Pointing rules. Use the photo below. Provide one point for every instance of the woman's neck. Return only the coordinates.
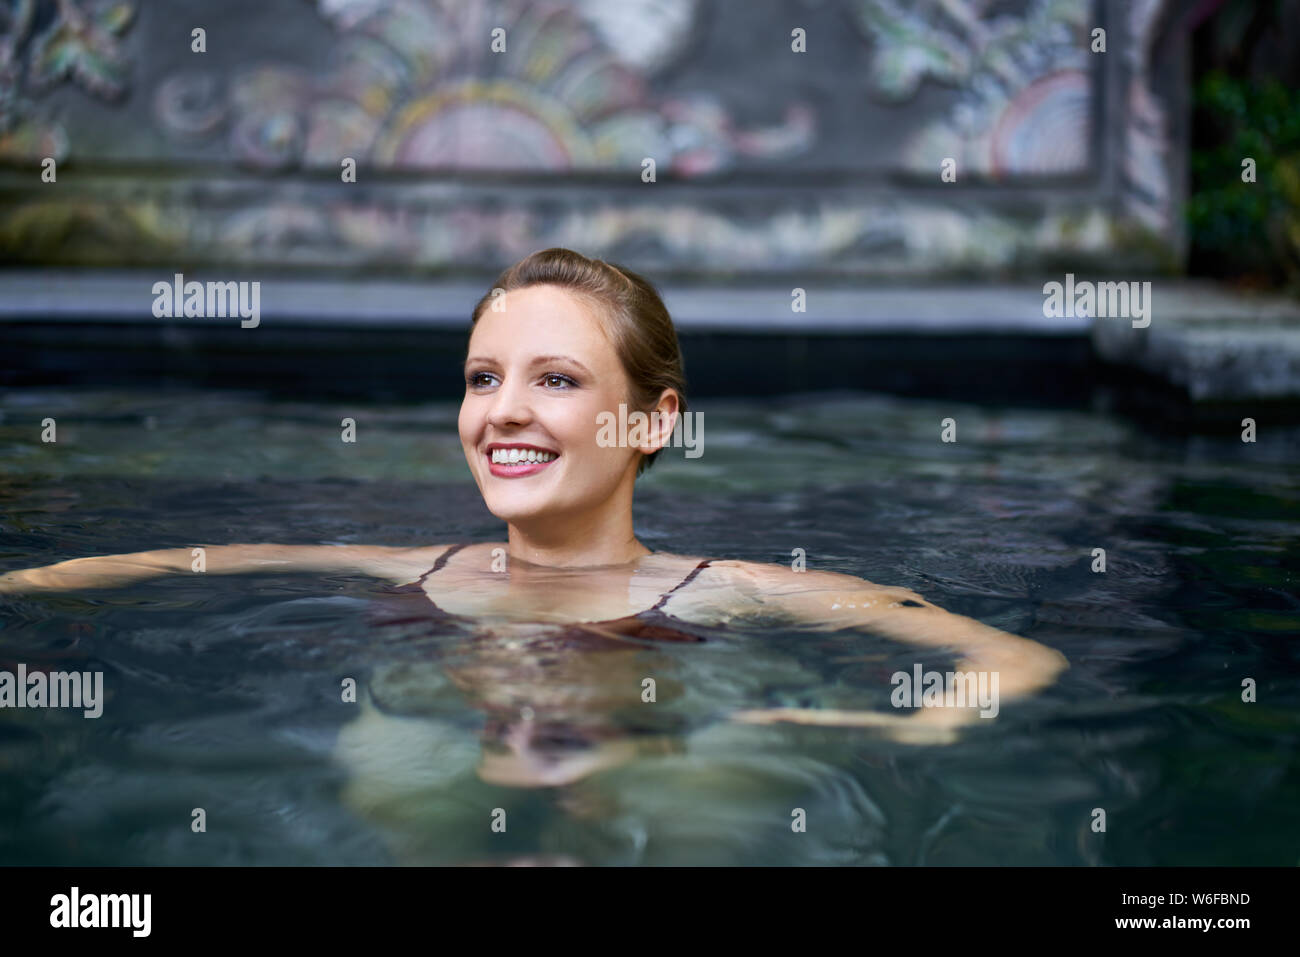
(576, 554)
(576, 544)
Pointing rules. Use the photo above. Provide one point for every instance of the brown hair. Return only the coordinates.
(632, 313)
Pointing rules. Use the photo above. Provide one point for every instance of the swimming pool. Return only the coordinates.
(223, 693)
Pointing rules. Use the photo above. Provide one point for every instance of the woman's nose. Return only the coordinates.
(510, 404)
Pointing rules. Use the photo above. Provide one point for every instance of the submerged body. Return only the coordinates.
(556, 659)
(654, 598)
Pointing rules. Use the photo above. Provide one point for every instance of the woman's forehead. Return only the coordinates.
(541, 320)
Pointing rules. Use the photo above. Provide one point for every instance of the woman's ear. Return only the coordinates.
(663, 420)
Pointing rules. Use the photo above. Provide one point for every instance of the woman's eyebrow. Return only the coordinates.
(537, 361)
(542, 360)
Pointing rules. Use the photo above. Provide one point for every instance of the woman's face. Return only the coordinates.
(537, 375)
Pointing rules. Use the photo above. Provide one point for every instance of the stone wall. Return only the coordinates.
(767, 161)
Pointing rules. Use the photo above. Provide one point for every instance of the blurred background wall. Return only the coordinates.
(823, 162)
(919, 168)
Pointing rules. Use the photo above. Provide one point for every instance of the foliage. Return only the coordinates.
(1254, 227)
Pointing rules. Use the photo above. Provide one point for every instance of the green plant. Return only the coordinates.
(1253, 226)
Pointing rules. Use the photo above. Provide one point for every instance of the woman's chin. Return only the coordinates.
(515, 510)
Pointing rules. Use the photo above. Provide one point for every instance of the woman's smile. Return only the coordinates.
(517, 459)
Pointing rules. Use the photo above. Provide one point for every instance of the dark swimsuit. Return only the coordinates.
(653, 624)
(415, 617)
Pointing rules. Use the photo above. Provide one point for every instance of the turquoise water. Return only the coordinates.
(224, 693)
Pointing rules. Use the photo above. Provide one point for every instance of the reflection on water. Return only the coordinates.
(225, 693)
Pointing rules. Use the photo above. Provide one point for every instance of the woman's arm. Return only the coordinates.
(826, 601)
(109, 571)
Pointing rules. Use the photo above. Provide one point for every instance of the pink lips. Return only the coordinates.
(517, 469)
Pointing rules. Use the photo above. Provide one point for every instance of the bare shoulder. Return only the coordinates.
(807, 595)
(774, 579)
(394, 563)
(398, 564)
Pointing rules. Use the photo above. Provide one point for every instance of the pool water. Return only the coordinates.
(224, 692)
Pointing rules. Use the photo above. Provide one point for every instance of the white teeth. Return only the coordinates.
(516, 456)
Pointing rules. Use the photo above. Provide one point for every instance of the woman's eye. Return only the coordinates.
(552, 380)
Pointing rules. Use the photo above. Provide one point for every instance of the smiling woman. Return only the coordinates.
(558, 343)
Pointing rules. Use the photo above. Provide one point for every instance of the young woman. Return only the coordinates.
(559, 340)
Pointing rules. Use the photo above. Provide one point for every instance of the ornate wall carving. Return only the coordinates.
(767, 160)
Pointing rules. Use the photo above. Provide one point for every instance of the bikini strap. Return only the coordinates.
(442, 560)
(683, 583)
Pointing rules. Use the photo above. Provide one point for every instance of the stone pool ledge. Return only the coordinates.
(1215, 344)
(63, 295)
(1204, 342)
